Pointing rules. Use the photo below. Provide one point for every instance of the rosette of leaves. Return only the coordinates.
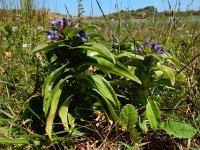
(75, 87)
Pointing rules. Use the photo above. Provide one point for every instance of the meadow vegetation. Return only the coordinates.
(117, 81)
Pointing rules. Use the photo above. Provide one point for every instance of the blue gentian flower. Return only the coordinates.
(146, 44)
(82, 35)
(114, 40)
(161, 51)
(127, 39)
(58, 23)
(53, 35)
(61, 24)
(155, 47)
(67, 22)
(139, 50)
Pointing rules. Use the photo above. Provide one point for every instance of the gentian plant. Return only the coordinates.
(149, 47)
(147, 61)
(151, 62)
(76, 86)
(85, 76)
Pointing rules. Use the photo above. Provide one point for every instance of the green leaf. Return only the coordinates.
(71, 121)
(168, 72)
(108, 66)
(178, 129)
(105, 90)
(83, 28)
(111, 113)
(55, 96)
(128, 118)
(128, 55)
(153, 114)
(134, 135)
(171, 59)
(48, 46)
(6, 141)
(143, 124)
(99, 48)
(96, 37)
(47, 87)
(63, 113)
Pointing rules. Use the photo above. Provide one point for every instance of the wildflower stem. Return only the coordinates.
(182, 58)
(67, 10)
(188, 63)
(104, 15)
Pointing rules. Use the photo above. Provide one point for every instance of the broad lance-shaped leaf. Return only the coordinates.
(128, 118)
(63, 113)
(47, 87)
(178, 129)
(83, 28)
(55, 95)
(48, 46)
(106, 89)
(96, 36)
(108, 97)
(129, 55)
(168, 72)
(107, 66)
(99, 48)
(103, 87)
(104, 102)
(108, 107)
(153, 114)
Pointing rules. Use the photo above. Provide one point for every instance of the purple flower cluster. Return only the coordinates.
(155, 47)
(58, 29)
(61, 24)
(139, 50)
(146, 44)
(54, 36)
(82, 35)
(127, 39)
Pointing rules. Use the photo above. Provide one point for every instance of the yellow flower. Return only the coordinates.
(7, 54)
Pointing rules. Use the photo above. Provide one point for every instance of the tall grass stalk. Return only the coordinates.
(104, 15)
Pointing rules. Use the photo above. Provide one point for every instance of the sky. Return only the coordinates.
(91, 8)
(109, 6)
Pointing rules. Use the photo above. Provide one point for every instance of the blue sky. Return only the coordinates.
(110, 5)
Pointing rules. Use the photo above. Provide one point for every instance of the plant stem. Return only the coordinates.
(188, 63)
